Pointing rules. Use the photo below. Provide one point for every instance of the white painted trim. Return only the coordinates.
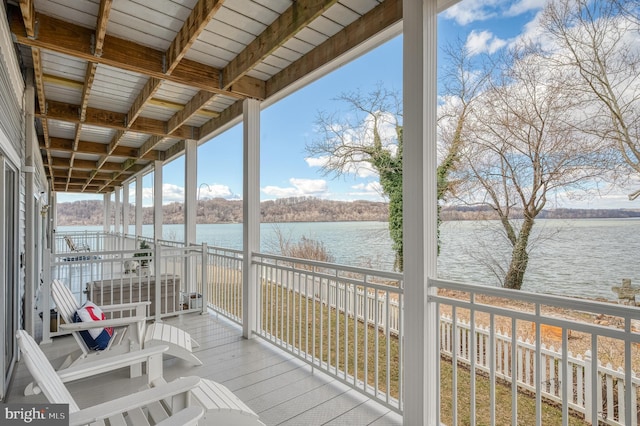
(251, 213)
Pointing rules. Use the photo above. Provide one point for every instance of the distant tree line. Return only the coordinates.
(219, 210)
(304, 209)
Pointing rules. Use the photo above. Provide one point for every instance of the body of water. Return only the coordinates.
(583, 257)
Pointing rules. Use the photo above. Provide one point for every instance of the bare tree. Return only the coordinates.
(367, 141)
(597, 44)
(520, 147)
(464, 77)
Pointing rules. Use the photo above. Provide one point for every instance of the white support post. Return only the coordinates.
(421, 356)
(107, 212)
(251, 213)
(31, 214)
(190, 209)
(125, 210)
(157, 200)
(117, 210)
(139, 205)
(190, 190)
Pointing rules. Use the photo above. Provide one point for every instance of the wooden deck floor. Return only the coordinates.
(277, 386)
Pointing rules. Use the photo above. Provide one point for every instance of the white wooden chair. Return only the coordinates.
(178, 341)
(135, 324)
(168, 405)
(221, 406)
(76, 247)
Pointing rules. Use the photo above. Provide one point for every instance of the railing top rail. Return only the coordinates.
(592, 306)
(213, 249)
(364, 271)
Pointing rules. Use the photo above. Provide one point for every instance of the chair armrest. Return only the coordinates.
(135, 400)
(110, 363)
(186, 417)
(116, 322)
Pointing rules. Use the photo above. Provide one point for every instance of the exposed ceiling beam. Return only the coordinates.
(376, 20)
(114, 120)
(96, 148)
(29, 17)
(285, 27)
(200, 16)
(78, 85)
(73, 40)
(101, 25)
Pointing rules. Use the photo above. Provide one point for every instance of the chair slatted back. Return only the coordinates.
(43, 373)
(67, 306)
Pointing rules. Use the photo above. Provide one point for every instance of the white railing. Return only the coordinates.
(224, 282)
(170, 277)
(579, 385)
(316, 311)
(610, 379)
(346, 321)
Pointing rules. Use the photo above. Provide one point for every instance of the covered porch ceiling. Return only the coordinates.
(120, 84)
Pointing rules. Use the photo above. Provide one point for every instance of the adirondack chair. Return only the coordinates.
(167, 405)
(76, 247)
(178, 341)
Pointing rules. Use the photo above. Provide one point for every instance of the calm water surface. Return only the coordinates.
(583, 257)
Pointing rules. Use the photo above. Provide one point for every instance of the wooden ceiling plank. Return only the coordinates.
(175, 149)
(146, 94)
(149, 145)
(89, 77)
(101, 25)
(39, 85)
(197, 21)
(287, 25)
(114, 120)
(177, 106)
(29, 17)
(96, 148)
(190, 109)
(229, 114)
(163, 103)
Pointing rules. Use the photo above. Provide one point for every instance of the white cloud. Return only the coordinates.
(523, 6)
(483, 42)
(299, 188)
(370, 188)
(316, 161)
(172, 193)
(468, 11)
(215, 190)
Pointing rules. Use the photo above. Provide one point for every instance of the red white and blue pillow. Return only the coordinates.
(96, 338)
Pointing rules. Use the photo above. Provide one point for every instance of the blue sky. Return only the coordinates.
(287, 126)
